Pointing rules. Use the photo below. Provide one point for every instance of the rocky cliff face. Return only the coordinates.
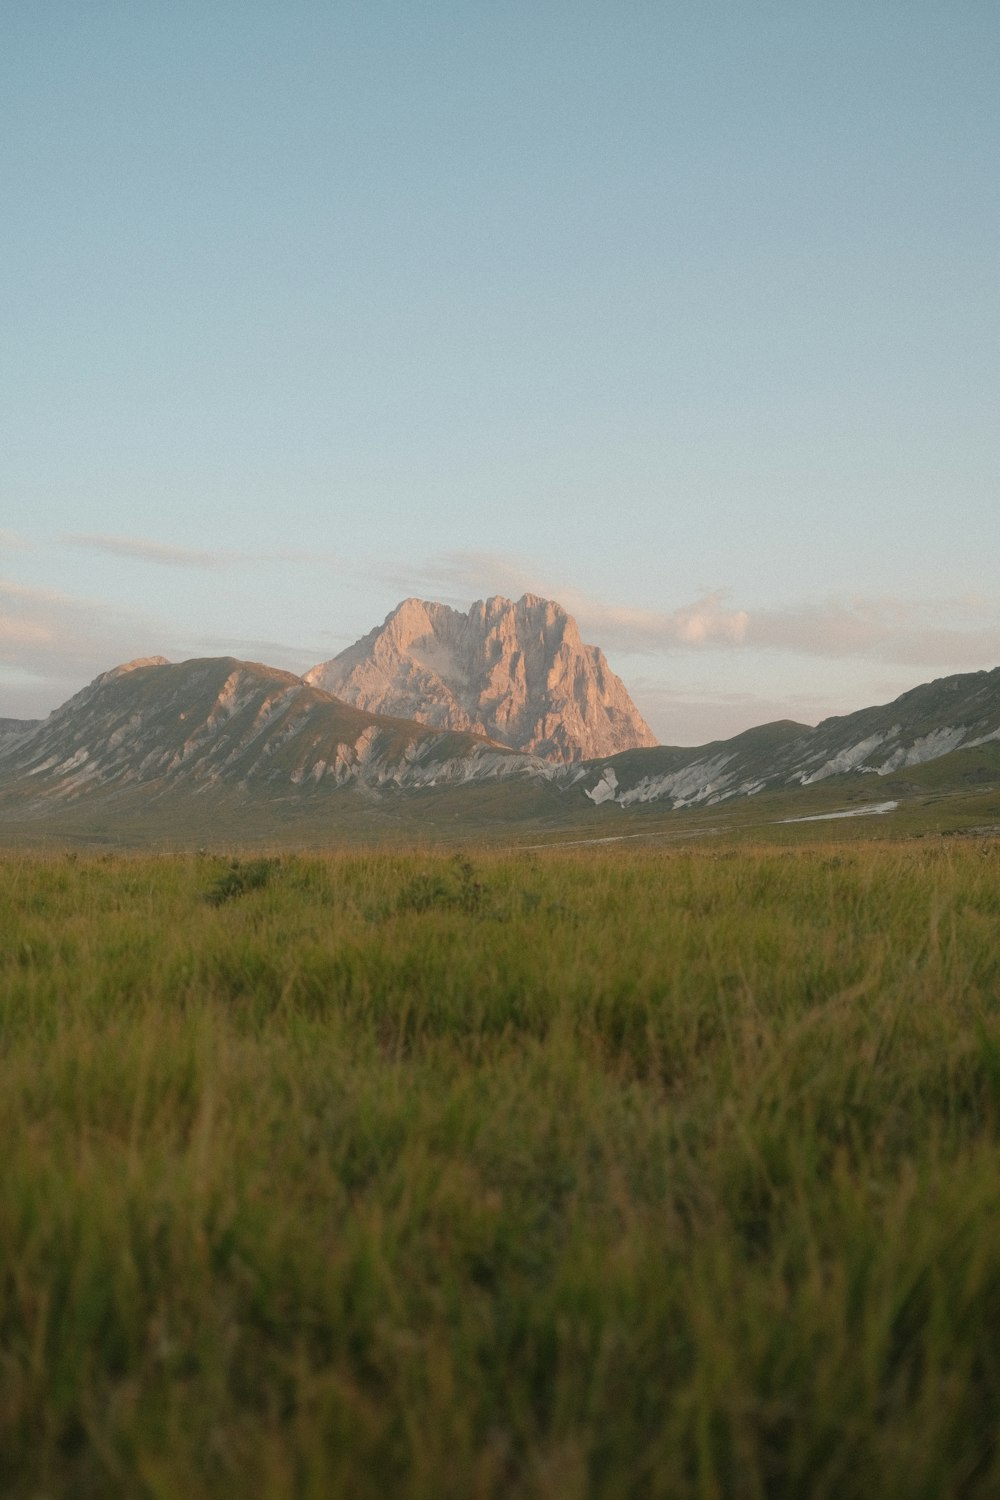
(517, 673)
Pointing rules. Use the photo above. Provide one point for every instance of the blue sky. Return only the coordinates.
(683, 314)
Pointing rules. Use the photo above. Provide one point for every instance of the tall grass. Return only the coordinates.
(615, 1175)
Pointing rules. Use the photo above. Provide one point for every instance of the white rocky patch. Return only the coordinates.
(133, 666)
(983, 739)
(71, 764)
(851, 759)
(693, 783)
(927, 747)
(230, 700)
(364, 744)
(44, 765)
(605, 789)
(71, 784)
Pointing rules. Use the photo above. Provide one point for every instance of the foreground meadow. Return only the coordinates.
(624, 1174)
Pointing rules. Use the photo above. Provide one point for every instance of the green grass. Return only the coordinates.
(623, 1174)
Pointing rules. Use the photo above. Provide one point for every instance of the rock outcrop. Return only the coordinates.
(517, 673)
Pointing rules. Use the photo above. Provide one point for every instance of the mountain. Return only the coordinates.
(219, 748)
(517, 673)
(150, 728)
(924, 724)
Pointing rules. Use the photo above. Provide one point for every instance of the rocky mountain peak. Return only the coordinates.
(514, 671)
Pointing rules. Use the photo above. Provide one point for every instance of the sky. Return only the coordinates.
(686, 315)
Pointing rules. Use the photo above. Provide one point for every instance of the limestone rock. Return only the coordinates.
(517, 673)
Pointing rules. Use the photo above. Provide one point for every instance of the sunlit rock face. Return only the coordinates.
(516, 672)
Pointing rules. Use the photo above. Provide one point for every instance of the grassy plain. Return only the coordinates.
(622, 1173)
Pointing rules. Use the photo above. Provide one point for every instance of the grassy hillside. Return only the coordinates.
(662, 1173)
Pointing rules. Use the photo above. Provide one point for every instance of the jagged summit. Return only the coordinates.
(514, 671)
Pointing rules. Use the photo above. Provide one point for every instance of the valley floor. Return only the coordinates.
(599, 1172)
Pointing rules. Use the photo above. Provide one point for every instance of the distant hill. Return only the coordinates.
(516, 672)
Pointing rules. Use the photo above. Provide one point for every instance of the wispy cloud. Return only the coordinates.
(57, 629)
(9, 542)
(956, 633)
(932, 633)
(462, 576)
(153, 552)
(164, 554)
(707, 621)
(52, 644)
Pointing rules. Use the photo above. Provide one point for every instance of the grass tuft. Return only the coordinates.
(241, 876)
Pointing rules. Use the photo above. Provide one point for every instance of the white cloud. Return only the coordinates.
(154, 552)
(51, 644)
(959, 634)
(705, 622)
(142, 549)
(15, 634)
(464, 576)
